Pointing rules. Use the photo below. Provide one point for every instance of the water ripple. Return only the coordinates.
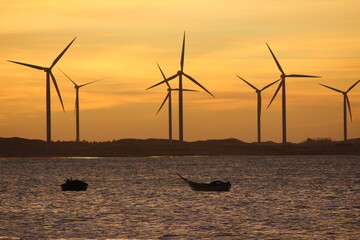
(286, 197)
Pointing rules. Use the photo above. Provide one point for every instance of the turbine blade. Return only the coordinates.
(162, 73)
(337, 90)
(168, 79)
(182, 54)
(352, 86)
(348, 104)
(306, 76)
(166, 98)
(197, 83)
(269, 85)
(185, 90)
(276, 92)
(90, 82)
(248, 83)
(276, 61)
(61, 54)
(68, 77)
(57, 90)
(28, 65)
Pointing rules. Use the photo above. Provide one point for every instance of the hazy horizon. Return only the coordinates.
(122, 42)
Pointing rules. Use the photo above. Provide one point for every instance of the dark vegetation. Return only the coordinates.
(20, 147)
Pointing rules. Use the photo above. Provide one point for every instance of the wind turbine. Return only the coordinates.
(258, 92)
(180, 74)
(49, 75)
(168, 97)
(283, 76)
(77, 87)
(346, 104)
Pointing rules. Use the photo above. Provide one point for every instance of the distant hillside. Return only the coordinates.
(20, 147)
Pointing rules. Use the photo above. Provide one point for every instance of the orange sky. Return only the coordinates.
(122, 41)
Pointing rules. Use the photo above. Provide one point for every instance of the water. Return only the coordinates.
(272, 197)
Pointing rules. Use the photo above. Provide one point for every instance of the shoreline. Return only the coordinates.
(21, 147)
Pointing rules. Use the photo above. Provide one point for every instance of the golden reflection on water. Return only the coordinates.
(272, 197)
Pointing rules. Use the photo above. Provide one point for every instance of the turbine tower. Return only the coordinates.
(77, 87)
(283, 77)
(49, 75)
(168, 97)
(180, 74)
(258, 92)
(346, 104)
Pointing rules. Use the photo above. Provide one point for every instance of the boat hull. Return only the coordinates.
(216, 186)
(74, 185)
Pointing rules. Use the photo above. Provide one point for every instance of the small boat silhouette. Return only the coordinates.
(213, 186)
(74, 185)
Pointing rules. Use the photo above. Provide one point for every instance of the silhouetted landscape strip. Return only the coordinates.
(21, 147)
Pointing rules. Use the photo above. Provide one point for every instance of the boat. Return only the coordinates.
(74, 185)
(213, 186)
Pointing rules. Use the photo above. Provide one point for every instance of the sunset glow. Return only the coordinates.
(122, 42)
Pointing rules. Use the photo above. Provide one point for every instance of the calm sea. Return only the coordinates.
(272, 197)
